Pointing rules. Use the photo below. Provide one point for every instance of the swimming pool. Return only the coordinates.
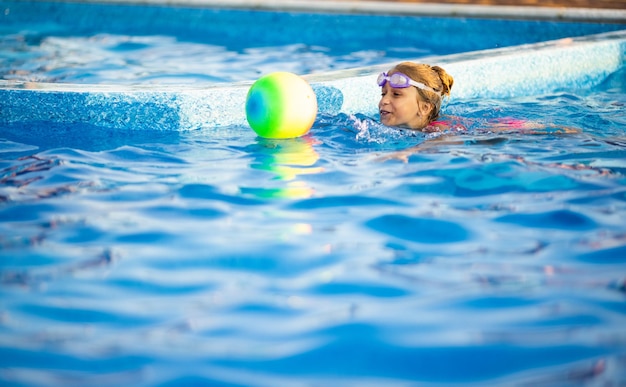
(148, 237)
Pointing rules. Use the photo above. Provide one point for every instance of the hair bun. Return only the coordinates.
(446, 79)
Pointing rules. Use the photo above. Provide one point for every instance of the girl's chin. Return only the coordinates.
(386, 121)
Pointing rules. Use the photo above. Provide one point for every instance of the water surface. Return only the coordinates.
(214, 256)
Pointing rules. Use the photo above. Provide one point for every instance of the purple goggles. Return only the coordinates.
(401, 81)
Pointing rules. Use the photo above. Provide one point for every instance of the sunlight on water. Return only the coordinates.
(121, 59)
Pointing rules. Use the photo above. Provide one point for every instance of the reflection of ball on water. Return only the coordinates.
(281, 105)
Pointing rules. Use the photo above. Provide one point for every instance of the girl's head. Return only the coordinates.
(412, 98)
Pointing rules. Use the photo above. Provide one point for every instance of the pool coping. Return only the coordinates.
(573, 14)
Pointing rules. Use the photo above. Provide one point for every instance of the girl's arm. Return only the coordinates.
(453, 127)
(513, 125)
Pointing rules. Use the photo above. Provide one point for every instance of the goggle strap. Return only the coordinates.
(422, 86)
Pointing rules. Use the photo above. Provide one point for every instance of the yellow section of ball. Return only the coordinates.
(281, 105)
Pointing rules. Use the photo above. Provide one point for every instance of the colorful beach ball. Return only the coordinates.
(281, 105)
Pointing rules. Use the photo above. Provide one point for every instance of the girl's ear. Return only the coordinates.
(425, 108)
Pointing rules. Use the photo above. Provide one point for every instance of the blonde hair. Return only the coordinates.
(432, 76)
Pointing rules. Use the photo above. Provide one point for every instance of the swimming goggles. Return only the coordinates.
(401, 81)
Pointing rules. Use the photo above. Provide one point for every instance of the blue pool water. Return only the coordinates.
(213, 257)
(122, 44)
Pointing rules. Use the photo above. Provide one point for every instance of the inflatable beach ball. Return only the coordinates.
(281, 105)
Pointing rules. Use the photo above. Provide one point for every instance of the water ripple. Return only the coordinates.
(422, 230)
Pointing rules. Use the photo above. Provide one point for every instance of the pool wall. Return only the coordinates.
(522, 70)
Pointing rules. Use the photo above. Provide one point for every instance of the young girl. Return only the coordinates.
(411, 98)
(412, 94)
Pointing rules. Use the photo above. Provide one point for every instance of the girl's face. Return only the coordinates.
(400, 107)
